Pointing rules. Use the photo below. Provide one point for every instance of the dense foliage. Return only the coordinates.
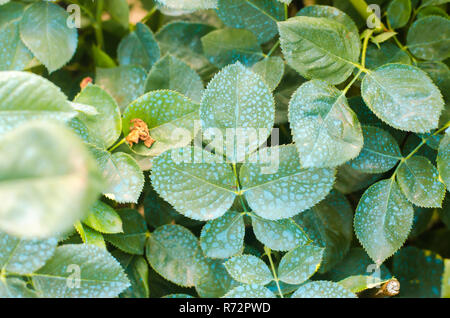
(224, 148)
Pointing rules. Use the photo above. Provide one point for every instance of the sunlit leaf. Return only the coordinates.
(325, 129)
(276, 187)
(383, 220)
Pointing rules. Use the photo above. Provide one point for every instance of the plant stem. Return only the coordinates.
(149, 14)
(400, 45)
(286, 12)
(274, 47)
(117, 145)
(364, 49)
(420, 145)
(238, 188)
(361, 6)
(268, 252)
(98, 23)
(344, 92)
(362, 67)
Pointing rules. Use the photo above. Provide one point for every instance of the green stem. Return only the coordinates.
(98, 23)
(400, 45)
(274, 47)
(268, 252)
(238, 188)
(286, 12)
(362, 67)
(364, 50)
(149, 14)
(344, 92)
(422, 143)
(117, 145)
(361, 6)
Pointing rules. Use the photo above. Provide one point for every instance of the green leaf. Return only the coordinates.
(103, 218)
(20, 256)
(367, 117)
(137, 271)
(426, 3)
(357, 272)
(430, 11)
(258, 16)
(47, 180)
(100, 275)
(174, 252)
(228, 46)
(271, 70)
(173, 74)
(289, 84)
(125, 83)
(421, 222)
(83, 133)
(288, 190)
(169, 116)
(106, 125)
(249, 269)
(119, 11)
(383, 220)
(319, 48)
(90, 236)
(15, 288)
(84, 109)
(300, 264)
(329, 225)
(123, 177)
(216, 282)
(134, 235)
(325, 129)
(419, 272)
(385, 54)
(349, 180)
(413, 141)
(429, 38)
(249, 291)
(443, 160)
(197, 183)
(15, 55)
(331, 13)
(237, 108)
(26, 96)
(158, 212)
(380, 152)
(404, 97)
(399, 12)
(188, 4)
(322, 289)
(183, 40)
(419, 181)
(44, 31)
(440, 74)
(281, 235)
(139, 48)
(101, 58)
(223, 237)
(383, 37)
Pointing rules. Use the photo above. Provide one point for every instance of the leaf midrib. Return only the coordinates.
(203, 180)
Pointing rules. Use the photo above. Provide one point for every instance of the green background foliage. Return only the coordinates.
(341, 193)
